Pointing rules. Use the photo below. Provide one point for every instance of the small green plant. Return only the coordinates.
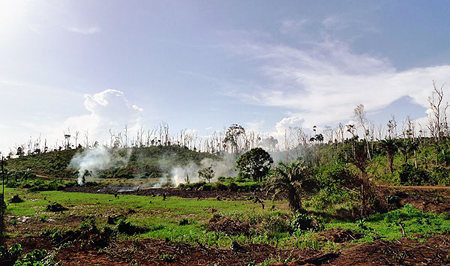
(13, 252)
(303, 222)
(361, 224)
(168, 258)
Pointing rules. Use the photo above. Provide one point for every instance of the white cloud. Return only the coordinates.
(85, 30)
(289, 122)
(109, 110)
(323, 83)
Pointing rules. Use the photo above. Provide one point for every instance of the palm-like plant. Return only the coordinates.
(389, 146)
(286, 180)
(406, 147)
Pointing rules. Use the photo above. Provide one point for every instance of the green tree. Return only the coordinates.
(286, 180)
(254, 164)
(206, 173)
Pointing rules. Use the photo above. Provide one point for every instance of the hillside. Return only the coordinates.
(153, 161)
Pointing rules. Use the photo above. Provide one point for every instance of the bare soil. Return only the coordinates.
(428, 199)
(169, 192)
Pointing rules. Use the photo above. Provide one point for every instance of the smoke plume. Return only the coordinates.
(223, 167)
(91, 161)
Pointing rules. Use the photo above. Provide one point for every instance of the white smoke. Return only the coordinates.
(223, 167)
(91, 161)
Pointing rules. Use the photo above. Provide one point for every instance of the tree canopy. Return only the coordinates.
(254, 164)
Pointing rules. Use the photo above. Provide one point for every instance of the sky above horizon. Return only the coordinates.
(204, 65)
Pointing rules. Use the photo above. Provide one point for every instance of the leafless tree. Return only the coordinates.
(392, 128)
(86, 139)
(437, 119)
(360, 114)
(77, 133)
(235, 138)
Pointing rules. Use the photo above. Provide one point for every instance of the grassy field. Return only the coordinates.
(183, 219)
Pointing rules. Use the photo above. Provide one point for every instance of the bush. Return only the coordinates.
(440, 176)
(302, 222)
(33, 258)
(276, 223)
(411, 176)
(168, 258)
(335, 177)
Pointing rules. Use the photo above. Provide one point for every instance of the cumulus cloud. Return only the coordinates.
(109, 111)
(289, 122)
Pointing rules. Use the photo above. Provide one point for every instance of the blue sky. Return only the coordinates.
(204, 65)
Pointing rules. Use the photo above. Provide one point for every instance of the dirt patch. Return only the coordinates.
(170, 192)
(340, 235)
(157, 252)
(31, 243)
(228, 226)
(402, 252)
(427, 199)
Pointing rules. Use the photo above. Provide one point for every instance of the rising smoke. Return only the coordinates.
(89, 162)
(223, 167)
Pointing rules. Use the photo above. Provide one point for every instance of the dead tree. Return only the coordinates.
(437, 119)
(360, 114)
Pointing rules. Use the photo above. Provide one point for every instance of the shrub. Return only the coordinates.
(302, 222)
(411, 176)
(440, 176)
(276, 223)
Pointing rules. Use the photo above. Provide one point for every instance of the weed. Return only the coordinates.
(168, 258)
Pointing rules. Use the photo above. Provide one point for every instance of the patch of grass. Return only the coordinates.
(161, 218)
(388, 226)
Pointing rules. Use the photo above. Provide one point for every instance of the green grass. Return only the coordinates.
(416, 223)
(160, 216)
(162, 219)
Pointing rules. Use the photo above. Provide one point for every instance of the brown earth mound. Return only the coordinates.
(403, 252)
(170, 192)
(229, 226)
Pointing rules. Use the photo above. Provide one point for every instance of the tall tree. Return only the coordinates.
(437, 125)
(233, 138)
